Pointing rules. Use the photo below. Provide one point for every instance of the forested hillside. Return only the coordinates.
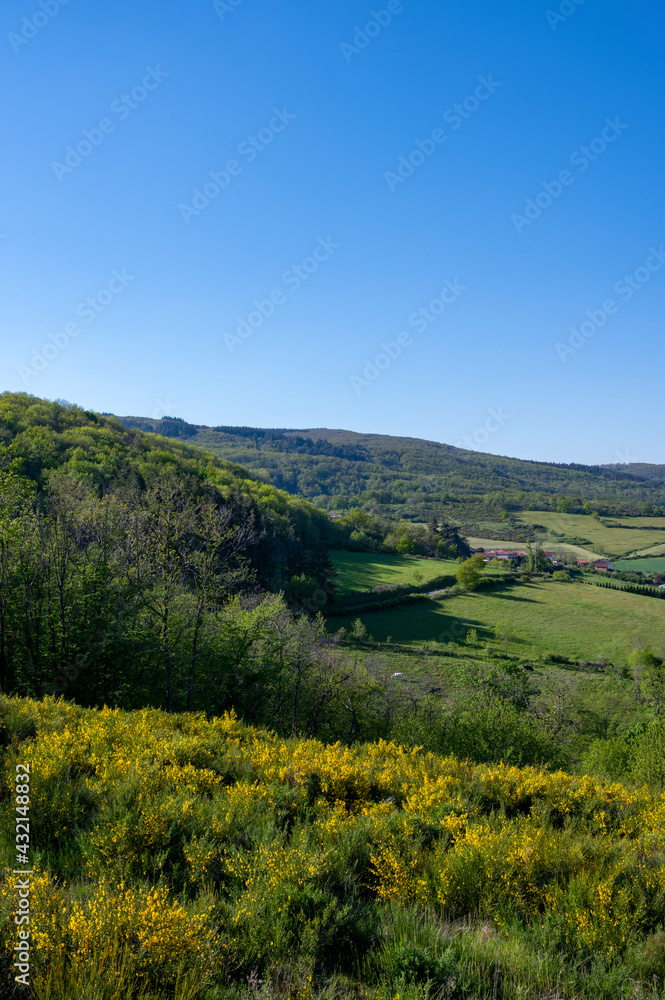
(410, 478)
(116, 549)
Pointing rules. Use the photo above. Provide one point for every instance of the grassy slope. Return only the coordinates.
(609, 541)
(586, 623)
(641, 565)
(361, 571)
(652, 550)
(581, 622)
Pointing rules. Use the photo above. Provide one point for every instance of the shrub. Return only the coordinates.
(651, 956)
(648, 756)
(468, 574)
(607, 759)
(359, 630)
(285, 863)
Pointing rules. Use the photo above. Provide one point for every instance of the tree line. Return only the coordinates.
(381, 474)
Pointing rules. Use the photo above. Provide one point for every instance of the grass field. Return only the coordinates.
(579, 621)
(361, 571)
(652, 550)
(641, 565)
(607, 541)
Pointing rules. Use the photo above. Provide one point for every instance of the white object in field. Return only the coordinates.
(398, 675)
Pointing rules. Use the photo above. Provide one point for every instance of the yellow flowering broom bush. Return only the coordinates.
(176, 856)
(137, 933)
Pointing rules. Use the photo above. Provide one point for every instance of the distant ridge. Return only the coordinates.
(413, 478)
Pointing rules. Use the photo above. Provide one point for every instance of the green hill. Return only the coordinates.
(116, 548)
(410, 478)
(602, 535)
(41, 439)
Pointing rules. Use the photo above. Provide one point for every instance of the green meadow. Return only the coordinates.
(362, 571)
(638, 532)
(641, 565)
(575, 620)
(652, 550)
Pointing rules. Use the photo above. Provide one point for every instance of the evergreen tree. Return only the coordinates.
(451, 536)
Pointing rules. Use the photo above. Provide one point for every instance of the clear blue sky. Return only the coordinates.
(179, 88)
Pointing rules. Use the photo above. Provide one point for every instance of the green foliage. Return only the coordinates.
(408, 545)
(536, 560)
(215, 861)
(638, 756)
(633, 589)
(504, 632)
(468, 574)
(302, 588)
(117, 547)
(648, 756)
(40, 440)
(651, 957)
(648, 672)
(359, 630)
(610, 759)
(424, 479)
(561, 576)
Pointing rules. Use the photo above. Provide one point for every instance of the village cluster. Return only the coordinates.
(600, 565)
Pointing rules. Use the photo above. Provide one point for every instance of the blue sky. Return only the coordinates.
(345, 269)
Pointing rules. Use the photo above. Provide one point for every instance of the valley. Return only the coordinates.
(277, 713)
